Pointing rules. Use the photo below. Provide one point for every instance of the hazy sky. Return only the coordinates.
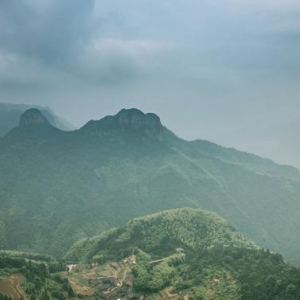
(223, 70)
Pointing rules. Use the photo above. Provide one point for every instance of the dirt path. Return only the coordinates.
(17, 280)
(156, 261)
(167, 295)
(116, 269)
(124, 275)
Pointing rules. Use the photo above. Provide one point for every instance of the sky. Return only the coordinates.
(226, 70)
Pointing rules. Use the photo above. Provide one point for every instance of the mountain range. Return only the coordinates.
(57, 187)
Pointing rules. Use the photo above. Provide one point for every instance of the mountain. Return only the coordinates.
(10, 115)
(180, 254)
(57, 187)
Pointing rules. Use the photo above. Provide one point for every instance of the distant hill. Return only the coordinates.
(279, 142)
(181, 254)
(10, 116)
(57, 187)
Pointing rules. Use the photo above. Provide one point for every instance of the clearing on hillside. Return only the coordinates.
(11, 286)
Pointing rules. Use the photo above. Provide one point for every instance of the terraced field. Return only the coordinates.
(11, 286)
(112, 280)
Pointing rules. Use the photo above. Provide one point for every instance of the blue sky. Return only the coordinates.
(224, 70)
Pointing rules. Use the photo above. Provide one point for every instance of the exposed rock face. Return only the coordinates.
(132, 121)
(148, 125)
(32, 117)
(136, 119)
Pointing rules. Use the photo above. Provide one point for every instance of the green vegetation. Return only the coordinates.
(192, 253)
(4, 297)
(176, 254)
(58, 187)
(40, 279)
(160, 234)
(246, 273)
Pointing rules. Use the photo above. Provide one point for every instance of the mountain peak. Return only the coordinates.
(33, 116)
(136, 119)
(131, 122)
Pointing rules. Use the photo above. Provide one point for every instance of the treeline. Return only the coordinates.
(26, 255)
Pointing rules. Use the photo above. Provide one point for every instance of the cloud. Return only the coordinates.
(199, 43)
(142, 53)
(71, 39)
(49, 31)
(263, 6)
(113, 61)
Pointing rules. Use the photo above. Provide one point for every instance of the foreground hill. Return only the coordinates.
(10, 115)
(160, 235)
(57, 187)
(180, 254)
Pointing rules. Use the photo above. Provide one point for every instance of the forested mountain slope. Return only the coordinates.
(57, 187)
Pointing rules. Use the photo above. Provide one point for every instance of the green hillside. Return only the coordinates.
(160, 235)
(181, 254)
(57, 187)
